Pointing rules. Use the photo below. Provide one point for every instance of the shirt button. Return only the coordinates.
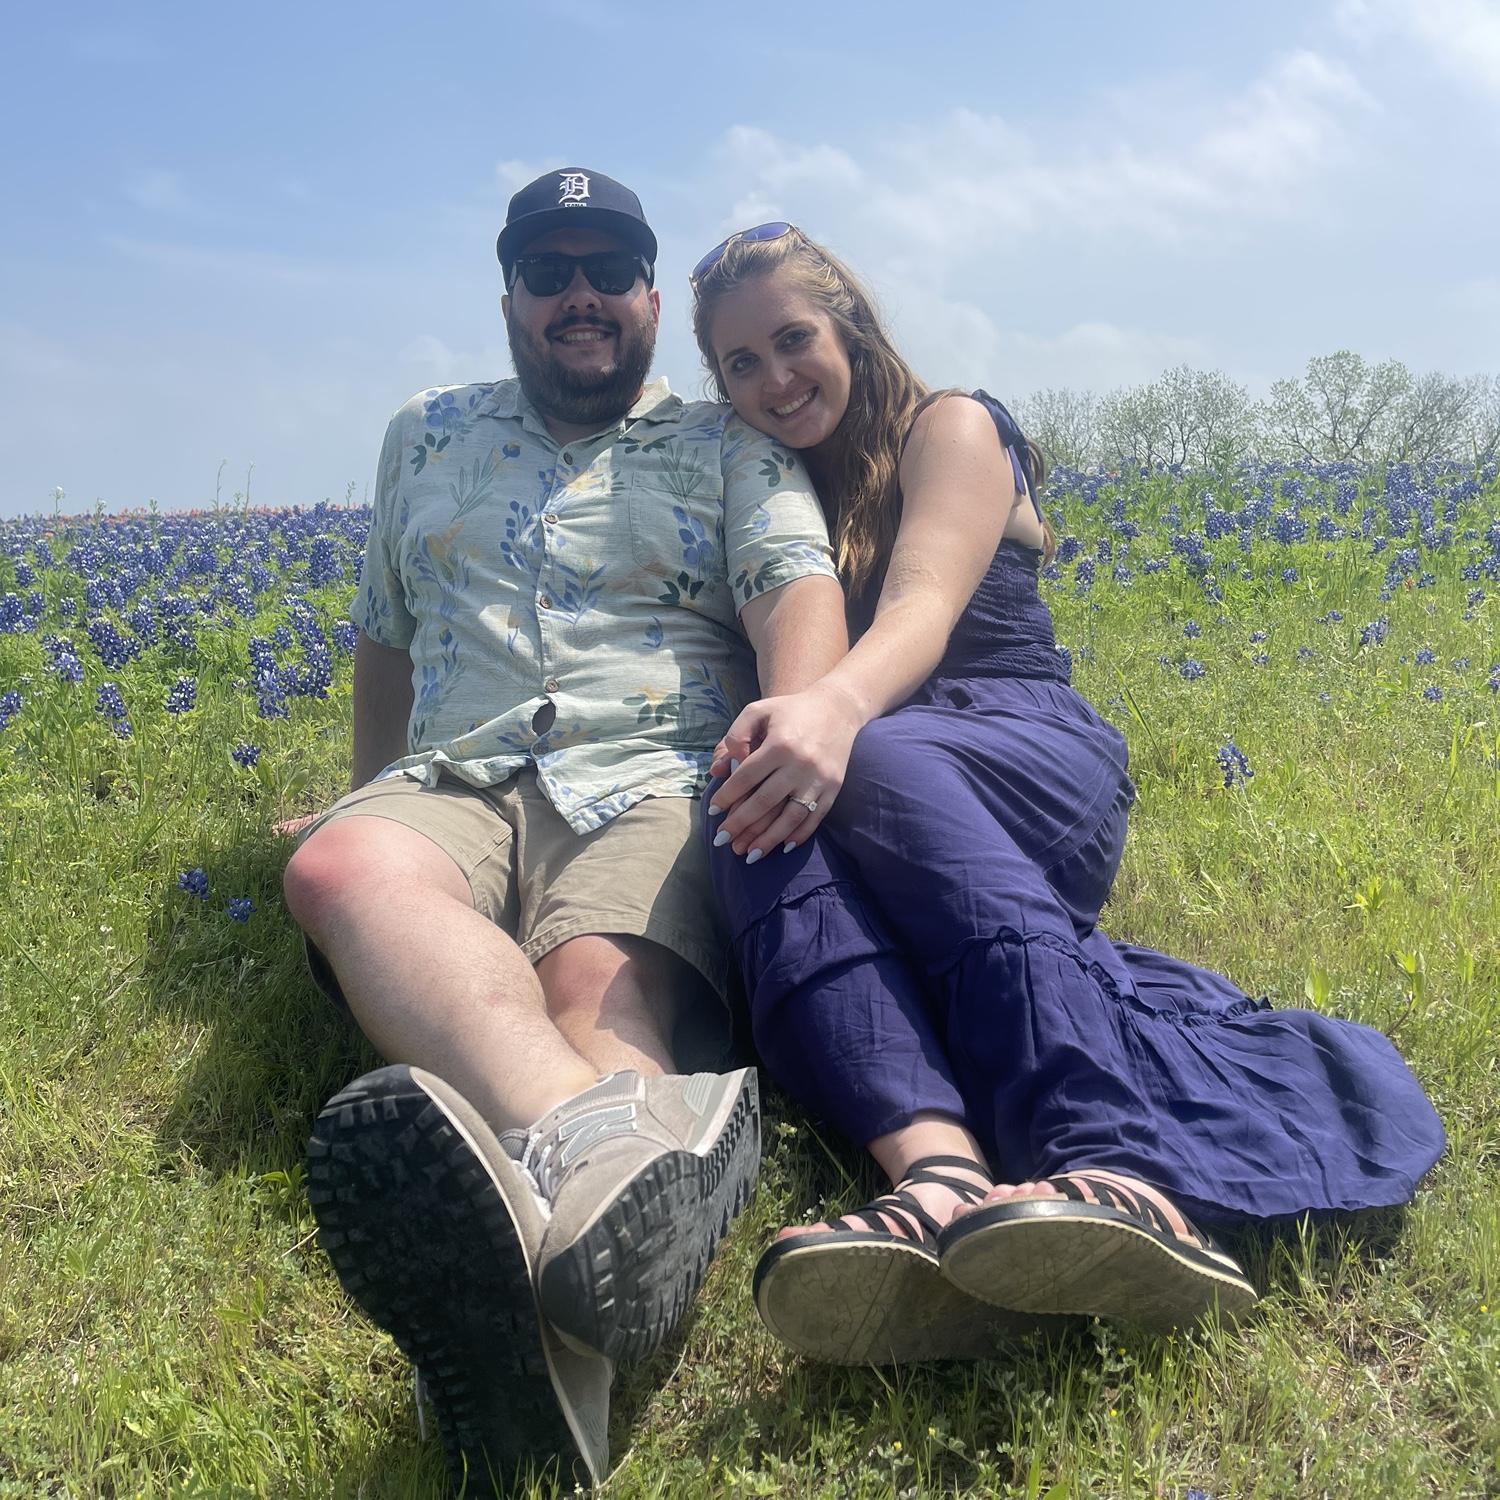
(567, 458)
(550, 518)
(550, 685)
(544, 602)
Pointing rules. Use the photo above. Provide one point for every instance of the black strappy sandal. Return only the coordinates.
(1100, 1249)
(870, 1296)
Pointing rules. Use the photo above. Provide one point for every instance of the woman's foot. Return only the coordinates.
(1094, 1242)
(867, 1288)
(1089, 1181)
(937, 1188)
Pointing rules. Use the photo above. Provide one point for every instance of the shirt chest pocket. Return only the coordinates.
(677, 525)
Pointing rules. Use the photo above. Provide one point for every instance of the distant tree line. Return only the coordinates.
(1344, 409)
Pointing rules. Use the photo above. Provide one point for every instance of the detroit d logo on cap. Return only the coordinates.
(572, 187)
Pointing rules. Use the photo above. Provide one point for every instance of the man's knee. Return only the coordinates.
(351, 861)
(622, 975)
(321, 874)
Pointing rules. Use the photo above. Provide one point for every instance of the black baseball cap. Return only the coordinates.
(578, 197)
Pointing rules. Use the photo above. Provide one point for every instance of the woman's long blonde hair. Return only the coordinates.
(860, 466)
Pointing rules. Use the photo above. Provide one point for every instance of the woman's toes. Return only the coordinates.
(795, 1231)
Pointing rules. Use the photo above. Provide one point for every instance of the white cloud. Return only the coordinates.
(971, 181)
(430, 361)
(1461, 36)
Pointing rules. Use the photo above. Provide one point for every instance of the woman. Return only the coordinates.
(945, 817)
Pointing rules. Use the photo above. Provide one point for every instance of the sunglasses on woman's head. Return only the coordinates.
(772, 231)
(611, 273)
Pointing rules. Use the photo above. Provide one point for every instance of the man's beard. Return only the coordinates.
(573, 396)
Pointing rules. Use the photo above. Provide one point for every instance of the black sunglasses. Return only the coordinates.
(611, 273)
(772, 231)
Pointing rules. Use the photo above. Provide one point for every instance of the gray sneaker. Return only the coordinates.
(435, 1230)
(644, 1176)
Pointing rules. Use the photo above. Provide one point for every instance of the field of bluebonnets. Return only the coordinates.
(1305, 661)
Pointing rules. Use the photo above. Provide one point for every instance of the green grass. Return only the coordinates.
(169, 1327)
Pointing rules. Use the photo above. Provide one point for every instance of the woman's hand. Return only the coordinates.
(783, 754)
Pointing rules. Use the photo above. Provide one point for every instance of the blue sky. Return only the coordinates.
(247, 234)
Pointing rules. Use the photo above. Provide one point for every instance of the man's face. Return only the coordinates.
(581, 356)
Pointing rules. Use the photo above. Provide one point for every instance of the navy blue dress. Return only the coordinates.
(934, 947)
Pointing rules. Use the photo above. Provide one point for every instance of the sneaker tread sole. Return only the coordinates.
(422, 1240)
(624, 1284)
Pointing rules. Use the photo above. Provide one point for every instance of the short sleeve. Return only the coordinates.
(774, 531)
(383, 615)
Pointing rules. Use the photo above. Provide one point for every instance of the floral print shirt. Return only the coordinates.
(575, 606)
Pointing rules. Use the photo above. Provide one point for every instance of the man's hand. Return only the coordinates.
(291, 827)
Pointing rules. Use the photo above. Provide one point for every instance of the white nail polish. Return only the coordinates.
(753, 855)
(787, 847)
(721, 838)
(717, 812)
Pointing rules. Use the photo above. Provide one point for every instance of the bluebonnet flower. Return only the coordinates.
(64, 659)
(1257, 636)
(1432, 693)
(194, 882)
(245, 755)
(323, 563)
(1426, 656)
(1474, 597)
(1192, 628)
(1333, 617)
(184, 696)
(1234, 764)
(1306, 653)
(13, 617)
(10, 706)
(1460, 663)
(109, 703)
(1190, 669)
(1289, 575)
(114, 649)
(1260, 659)
(345, 636)
(239, 908)
(1375, 632)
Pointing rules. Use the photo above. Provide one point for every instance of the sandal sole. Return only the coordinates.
(623, 1285)
(864, 1300)
(422, 1239)
(1047, 1257)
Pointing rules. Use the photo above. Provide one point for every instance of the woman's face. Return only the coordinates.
(782, 360)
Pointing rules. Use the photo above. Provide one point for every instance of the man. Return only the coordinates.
(513, 902)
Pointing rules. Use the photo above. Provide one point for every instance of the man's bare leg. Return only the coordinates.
(430, 980)
(616, 999)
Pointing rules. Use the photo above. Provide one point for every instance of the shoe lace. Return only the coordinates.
(537, 1159)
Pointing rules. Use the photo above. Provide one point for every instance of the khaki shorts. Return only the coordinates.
(644, 874)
